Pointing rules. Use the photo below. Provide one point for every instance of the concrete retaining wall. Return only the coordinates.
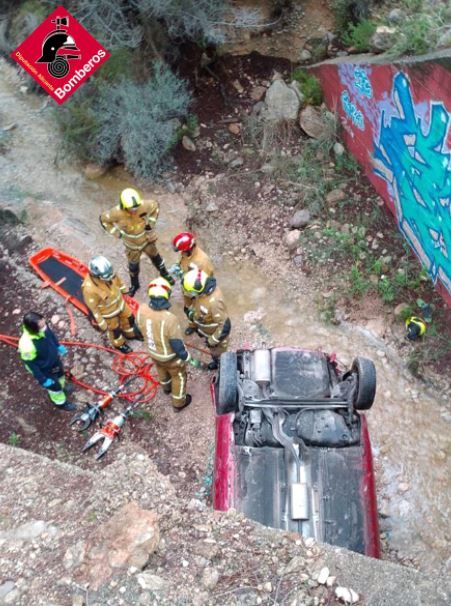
(396, 122)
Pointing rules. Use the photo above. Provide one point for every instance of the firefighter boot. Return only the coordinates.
(133, 268)
(188, 401)
(125, 349)
(158, 263)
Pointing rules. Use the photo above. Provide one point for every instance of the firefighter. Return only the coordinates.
(415, 327)
(163, 337)
(208, 312)
(41, 353)
(191, 257)
(133, 220)
(103, 293)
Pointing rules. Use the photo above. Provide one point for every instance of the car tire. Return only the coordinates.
(228, 384)
(365, 372)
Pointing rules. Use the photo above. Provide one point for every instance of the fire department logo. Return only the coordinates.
(60, 55)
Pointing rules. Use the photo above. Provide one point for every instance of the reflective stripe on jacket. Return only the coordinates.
(39, 352)
(159, 327)
(198, 259)
(135, 228)
(210, 314)
(104, 299)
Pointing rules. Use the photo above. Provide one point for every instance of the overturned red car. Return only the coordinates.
(292, 444)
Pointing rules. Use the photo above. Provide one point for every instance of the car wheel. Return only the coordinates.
(365, 372)
(228, 385)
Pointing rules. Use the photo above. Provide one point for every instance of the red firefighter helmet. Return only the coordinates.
(183, 242)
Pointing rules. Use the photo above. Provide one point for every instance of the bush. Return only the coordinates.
(78, 123)
(121, 24)
(309, 86)
(127, 122)
(417, 35)
(348, 11)
(359, 35)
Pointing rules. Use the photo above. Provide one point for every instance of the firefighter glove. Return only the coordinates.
(62, 350)
(176, 271)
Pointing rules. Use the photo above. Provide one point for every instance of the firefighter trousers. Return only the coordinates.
(134, 256)
(172, 377)
(121, 327)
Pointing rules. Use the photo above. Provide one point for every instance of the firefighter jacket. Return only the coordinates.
(136, 229)
(197, 260)
(162, 332)
(209, 314)
(104, 299)
(39, 352)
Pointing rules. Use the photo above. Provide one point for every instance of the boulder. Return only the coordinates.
(257, 93)
(291, 239)
(339, 149)
(188, 144)
(396, 15)
(301, 218)
(311, 122)
(127, 539)
(234, 128)
(334, 196)
(152, 582)
(282, 102)
(445, 39)
(305, 55)
(383, 38)
(210, 578)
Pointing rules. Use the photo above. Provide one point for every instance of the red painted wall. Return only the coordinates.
(397, 123)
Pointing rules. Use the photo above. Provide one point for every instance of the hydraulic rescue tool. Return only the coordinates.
(84, 419)
(109, 431)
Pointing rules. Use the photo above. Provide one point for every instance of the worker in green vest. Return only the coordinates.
(41, 353)
(415, 327)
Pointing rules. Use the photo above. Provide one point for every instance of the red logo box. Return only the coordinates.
(60, 55)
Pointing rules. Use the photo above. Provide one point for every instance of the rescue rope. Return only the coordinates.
(124, 365)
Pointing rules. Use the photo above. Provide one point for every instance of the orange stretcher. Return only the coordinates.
(65, 275)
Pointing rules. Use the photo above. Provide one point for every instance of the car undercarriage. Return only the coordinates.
(293, 450)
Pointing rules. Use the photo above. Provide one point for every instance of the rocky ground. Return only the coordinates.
(73, 537)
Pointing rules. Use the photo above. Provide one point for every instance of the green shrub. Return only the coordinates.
(14, 439)
(359, 285)
(79, 124)
(359, 35)
(118, 65)
(348, 164)
(137, 121)
(416, 36)
(309, 86)
(126, 122)
(386, 290)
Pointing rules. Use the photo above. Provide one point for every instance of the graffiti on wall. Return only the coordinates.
(412, 157)
(360, 83)
(351, 110)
